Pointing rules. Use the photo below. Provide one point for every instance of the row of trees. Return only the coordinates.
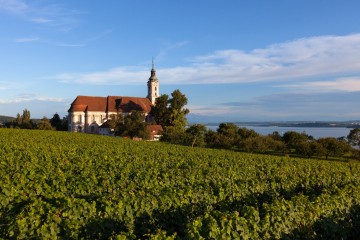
(24, 121)
(171, 114)
(230, 136)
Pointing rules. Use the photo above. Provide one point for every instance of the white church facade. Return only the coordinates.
(88, 113)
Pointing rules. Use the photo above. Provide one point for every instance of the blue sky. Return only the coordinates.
(235, 60)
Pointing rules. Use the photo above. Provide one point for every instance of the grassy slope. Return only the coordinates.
(86, 186)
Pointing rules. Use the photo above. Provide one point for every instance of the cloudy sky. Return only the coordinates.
(235, 60)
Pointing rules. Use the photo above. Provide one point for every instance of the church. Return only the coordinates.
(88, 113)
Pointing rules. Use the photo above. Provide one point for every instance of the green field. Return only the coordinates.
(76, 186)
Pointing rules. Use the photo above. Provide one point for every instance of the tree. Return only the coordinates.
(25, 120)
(18, 120)
(174, 135)
(227, 136)
(292, 139)
(211, 139)
(115, 121)
(258, 144)
(197, 134)
(276, 136)
(44, 124)
(354, 137)
(171, 113)
(56, 121)
(333, 147)
(64, 124)
(247, 133)
(177, 111)
(134, 126)
(160, 111)
(310, 149)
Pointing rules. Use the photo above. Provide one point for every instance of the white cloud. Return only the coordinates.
(30, 97)
(29, 39)
(349, 84)
(115, 76)
(322, 56)
(41, 20)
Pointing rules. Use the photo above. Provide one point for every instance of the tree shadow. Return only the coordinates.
(104, 228)
(346, 226)
(9, 217)
(175, 219)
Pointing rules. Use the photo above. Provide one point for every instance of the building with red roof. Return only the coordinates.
(88, 113)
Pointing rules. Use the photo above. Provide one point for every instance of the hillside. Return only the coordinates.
(4, 119)
(72, 185)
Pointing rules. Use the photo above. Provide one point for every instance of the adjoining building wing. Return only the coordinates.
(87, 113)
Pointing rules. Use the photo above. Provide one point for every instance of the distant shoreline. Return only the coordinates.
(347, 124)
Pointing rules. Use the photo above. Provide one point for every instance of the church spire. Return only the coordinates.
(153, 72)
(153, 85)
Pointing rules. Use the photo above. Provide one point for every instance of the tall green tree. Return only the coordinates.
(25, 120)
(161, 111)
(18, 120)
(171, 113)
(56, 121)
(177, 110)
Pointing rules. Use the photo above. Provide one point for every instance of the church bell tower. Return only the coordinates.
(153, 85)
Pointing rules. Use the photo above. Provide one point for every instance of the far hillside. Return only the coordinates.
(4, 119)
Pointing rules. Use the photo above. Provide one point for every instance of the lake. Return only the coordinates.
(313, 131)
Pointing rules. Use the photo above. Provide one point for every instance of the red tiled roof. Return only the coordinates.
(83, 103)
(128, 104)
(110, 104)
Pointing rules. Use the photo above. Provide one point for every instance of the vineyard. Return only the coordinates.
(59, 185)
